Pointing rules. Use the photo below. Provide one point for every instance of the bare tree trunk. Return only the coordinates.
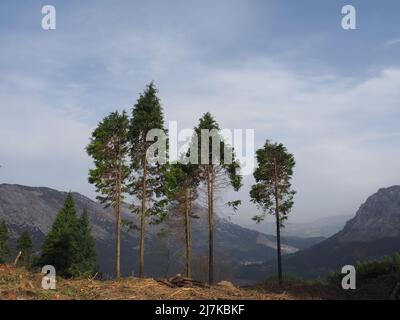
(187, 231)
(118, 226)
(278, 226)
(210, 189)
(190, 234)
(118, 242)
(143, 217)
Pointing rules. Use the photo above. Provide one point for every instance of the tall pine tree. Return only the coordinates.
(181, 182)
(4, 250)
(108, 147)
(273, 189)
(216, 170)
(146, 184)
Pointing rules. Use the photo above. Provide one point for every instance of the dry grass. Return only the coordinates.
(18, 284)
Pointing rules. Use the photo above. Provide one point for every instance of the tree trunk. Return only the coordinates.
(118, 242)
(190, 233)
(278, 225)
(187, 232)
(142, 218)
(118, 227)
(210, 189)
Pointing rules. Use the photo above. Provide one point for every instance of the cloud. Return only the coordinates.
(42, 142)
(392, 42)
(343, 131)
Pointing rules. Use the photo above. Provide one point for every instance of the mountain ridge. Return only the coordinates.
(35, 208)
(372, 233)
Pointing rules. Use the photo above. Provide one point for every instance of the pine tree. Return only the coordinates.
(61, 246)
(4, 251)
(85, 265)
(25, 246)
(181, 182)
(273, 190)
(108, 147)
(146, 184)
(214, 169)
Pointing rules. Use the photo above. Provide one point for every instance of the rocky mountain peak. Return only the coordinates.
(378, 217)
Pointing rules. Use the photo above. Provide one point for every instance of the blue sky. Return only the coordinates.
(284, 68)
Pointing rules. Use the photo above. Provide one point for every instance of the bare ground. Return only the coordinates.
(17, 284)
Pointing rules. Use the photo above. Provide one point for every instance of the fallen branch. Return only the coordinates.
(179, 281)
(93, 277)
(17, 258)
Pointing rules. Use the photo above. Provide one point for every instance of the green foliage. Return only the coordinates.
(273, 175)
(220, 155)
(147, 115)
(129, 225)
(86, 261)
(108, 147)
(368, 270)
(4, 250)
(24, 244)
(68, 246)
(234, 204)
(178, 178)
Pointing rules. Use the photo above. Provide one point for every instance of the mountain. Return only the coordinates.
(377, 218)
(322, 227)
(373, 233)
(35, 208)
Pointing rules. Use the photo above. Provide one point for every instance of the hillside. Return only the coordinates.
(34, 209)
(373, 233)
(18, 284)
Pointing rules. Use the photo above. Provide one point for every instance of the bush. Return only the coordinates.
(368, 270)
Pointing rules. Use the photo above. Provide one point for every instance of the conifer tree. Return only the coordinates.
(273, 189)
(4, 250)
(146, 178)
(181, 182)
(25, 246)
(215, 170)
(86, 263)
(61, 246)
(69, 246)
(108, 147)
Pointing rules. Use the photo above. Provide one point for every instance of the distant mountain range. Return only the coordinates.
(373, 233)
(323, 227)
(35, 208)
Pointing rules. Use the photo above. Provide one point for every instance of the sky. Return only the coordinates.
(286, 69)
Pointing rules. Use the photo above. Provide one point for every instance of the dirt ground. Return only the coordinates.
(17, 284)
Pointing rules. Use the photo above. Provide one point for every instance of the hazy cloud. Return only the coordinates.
(342, 126)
